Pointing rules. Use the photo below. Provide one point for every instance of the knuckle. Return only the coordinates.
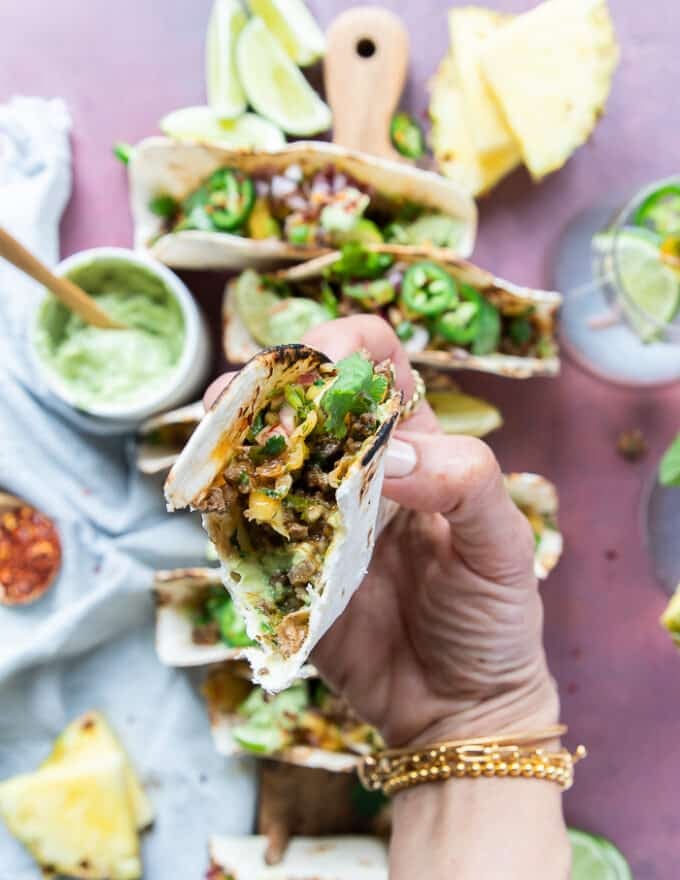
(482, 467)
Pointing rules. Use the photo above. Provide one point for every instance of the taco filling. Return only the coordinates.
(429, 306)
(305, 714)
(325, 208)
(215, 620)
(272, 511)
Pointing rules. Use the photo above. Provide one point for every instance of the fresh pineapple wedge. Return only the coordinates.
(90, 738)
(75, 818)
(452, 137)
(550, 70)
(471, 27)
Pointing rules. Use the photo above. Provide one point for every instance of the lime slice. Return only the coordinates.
(274, 85)
(594, 858)
(463, 414)
(294, 27)
(225, 92)
(202, 123)
(647, 282)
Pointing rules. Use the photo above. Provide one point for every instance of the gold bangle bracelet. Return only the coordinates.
(515, 756)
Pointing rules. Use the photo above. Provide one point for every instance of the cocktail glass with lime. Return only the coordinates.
(621, 274)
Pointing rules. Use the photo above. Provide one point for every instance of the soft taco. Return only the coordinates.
(202, 206)
(196, 621)
(287, 470)
(306, 724)
(537, 498)
(447, 312)
(161, 438)
(323, 858)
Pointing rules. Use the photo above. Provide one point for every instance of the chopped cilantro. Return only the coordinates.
(274, 446)
(296, 396)
(356, 390)
(257, 426)
(328, 299)
(669, 467)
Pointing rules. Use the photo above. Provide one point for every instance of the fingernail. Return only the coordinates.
(400, 459)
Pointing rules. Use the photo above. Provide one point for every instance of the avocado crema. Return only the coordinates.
(429, 307)
(275, 500)
(325, 208)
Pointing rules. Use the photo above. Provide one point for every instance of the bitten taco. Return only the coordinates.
(201, 206)
(287, 469)
(448, 313)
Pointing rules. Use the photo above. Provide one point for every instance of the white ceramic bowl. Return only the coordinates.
(185, 380)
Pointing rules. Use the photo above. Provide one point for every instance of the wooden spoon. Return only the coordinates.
(72, 296)
(364, 72)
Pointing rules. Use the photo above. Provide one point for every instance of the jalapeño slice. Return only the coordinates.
(660, 211)
(231, 198)
(427, 289)
(472, 322)
(407, 136)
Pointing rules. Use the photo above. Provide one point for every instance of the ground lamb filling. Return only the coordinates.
(278, 488)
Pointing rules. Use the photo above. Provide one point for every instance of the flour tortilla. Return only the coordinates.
(176, 168)
(239, 345)
(349, 857)
(155, 458)
(358, 499)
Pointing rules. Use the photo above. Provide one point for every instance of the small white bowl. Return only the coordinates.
(187, 377)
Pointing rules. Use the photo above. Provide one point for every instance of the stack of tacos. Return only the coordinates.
(449, 313)
(201, 206)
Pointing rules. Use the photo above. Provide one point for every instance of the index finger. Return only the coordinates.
(373, 334)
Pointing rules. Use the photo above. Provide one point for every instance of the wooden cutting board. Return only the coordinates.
(365, 70)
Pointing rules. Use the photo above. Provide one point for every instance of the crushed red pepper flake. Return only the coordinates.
(30, 555)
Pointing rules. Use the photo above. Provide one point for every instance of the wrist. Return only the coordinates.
(533, 706)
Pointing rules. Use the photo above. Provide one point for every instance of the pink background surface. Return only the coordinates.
(121, 65)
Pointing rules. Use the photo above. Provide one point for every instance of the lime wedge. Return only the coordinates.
(594, 858)
(274, 85)
(463, 414)
(294, 27)
(225, 92)
(201, 123)
(648, 283)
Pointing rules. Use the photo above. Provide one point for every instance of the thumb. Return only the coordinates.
(459, 478)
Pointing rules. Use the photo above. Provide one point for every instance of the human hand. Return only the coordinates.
(444, 637)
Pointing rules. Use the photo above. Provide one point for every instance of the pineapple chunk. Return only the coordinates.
(452, 140)
(551, 71)
(75, 819)
(470, 28)
(89, 737)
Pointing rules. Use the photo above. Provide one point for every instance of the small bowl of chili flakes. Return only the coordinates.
(30, 552)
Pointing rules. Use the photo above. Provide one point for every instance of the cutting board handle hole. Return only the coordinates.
(366, 48)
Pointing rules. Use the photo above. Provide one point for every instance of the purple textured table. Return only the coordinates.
(121, 65)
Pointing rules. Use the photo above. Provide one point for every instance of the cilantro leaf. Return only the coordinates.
(356, 390)
(274, 446)
(669, 467)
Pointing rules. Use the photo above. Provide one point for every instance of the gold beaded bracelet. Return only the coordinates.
(517, 755)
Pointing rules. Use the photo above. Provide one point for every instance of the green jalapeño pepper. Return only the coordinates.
(660, 211)
(231, 198)
(371, 294)
(407, 136)
(472, 322)
(427, 289)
